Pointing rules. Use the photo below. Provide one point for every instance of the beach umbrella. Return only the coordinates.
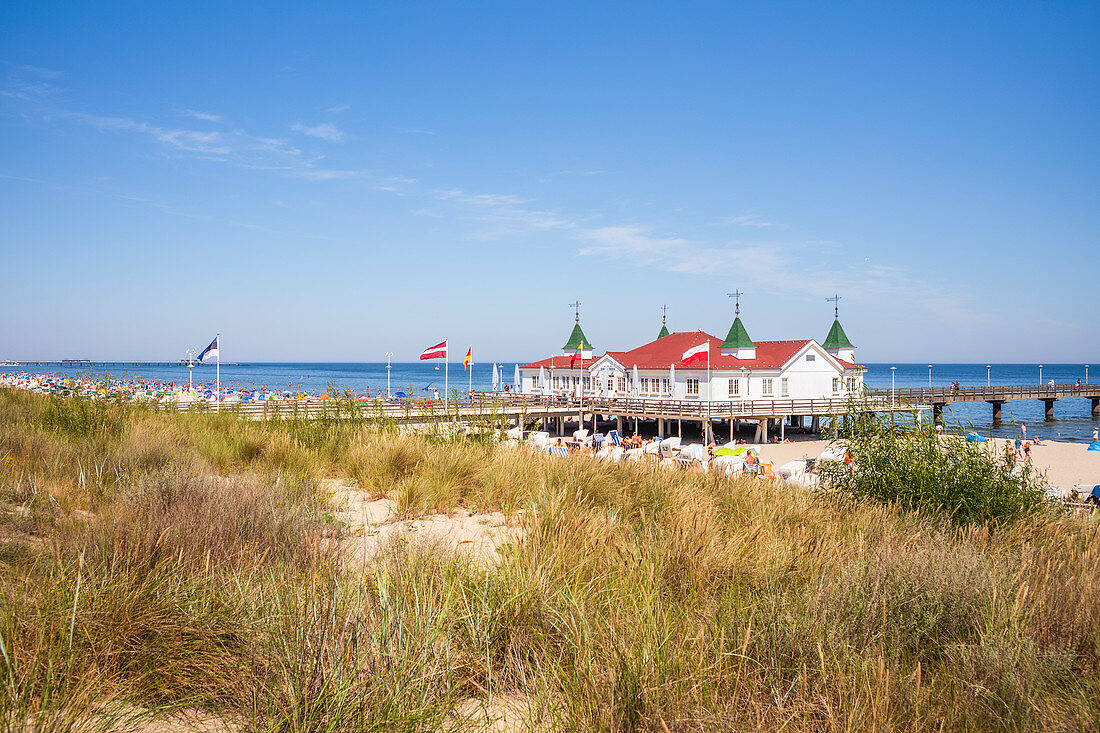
(496, 378)
(515, 380)
(635, 387)
(725, 452)
(671, 380)
(542, 381)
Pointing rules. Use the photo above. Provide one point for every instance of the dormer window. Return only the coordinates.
(811, 357)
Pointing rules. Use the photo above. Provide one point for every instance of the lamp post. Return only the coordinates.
(893, 369)
(191, 367)
(929, 377)
(389, 355)
(1086, 373)
(987, 375)
(1040, 374)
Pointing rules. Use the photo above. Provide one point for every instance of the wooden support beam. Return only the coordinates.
(1049, 412)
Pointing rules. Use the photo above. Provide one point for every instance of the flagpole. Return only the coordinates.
(706, 433)
(446, 371)
(218, 373)
(471, 387)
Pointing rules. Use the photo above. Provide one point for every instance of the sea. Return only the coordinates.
(1072, 416)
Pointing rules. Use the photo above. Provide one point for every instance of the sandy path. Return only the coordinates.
(374, 524)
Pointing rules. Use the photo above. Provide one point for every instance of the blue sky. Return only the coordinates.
(332, 181)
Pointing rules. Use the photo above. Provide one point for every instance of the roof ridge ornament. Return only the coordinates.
(835, 300)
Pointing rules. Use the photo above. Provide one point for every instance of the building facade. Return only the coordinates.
(739, 368)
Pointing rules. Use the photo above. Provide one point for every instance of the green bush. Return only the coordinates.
(941, 475)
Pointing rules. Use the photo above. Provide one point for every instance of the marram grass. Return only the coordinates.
(211, 584)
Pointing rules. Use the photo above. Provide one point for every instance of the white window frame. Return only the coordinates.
(534, 381)
(735, 387)
(836, 385)
(767, 386)
(645, 385)
(621, 382)
(693, 386)
(784, 387)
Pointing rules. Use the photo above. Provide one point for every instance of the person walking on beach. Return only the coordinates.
(1095, 435)
(1023, 430)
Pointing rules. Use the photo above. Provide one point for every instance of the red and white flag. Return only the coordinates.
(439, 351)
(696, 353)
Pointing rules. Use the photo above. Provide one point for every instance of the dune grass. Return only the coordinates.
(153, 563)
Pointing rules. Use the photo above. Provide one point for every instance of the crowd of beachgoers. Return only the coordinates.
(735, 458)
(136, 388)
(1070, 469)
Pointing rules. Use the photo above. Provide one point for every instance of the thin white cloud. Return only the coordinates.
(749, 220)
(236, 147)
(417, 131)
(780, 267)
(339, 108)
(324, 131)
(205, 116)
(28, 83)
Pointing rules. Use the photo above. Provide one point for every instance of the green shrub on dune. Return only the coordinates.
(943, 475)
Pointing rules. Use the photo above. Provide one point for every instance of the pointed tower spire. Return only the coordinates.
(737, 343)
(577, 340)
(837, 343)
(664, 322)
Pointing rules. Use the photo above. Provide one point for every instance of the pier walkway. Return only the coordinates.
(500, 408)
(996, 395)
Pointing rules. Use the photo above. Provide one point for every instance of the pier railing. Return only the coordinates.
(488, 404)
(991, 393)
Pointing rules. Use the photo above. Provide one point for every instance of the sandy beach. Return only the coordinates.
(1064, 464)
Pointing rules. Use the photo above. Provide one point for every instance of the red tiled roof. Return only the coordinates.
(663, 352)
(558, 362)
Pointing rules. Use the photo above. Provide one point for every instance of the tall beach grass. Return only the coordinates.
(157, 564)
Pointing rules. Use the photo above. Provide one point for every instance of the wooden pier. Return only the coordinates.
(996, 395)
(553, 412)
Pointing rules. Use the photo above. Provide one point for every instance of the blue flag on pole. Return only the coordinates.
(210, 352)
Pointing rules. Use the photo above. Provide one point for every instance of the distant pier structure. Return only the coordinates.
(995, 395)
(70, 363)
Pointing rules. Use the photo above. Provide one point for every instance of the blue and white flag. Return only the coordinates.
(210, 352)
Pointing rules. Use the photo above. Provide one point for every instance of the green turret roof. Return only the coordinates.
(664, 331)
(738, 337)
(577, 340)
(837, 339)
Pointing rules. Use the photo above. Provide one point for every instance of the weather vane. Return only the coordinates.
(577, 307)
(664, 315)
(736, 295)
(835, 300)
